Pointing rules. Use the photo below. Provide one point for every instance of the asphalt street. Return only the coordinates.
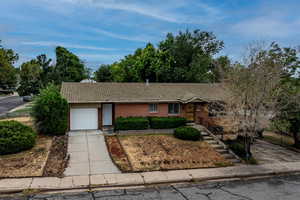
(276, 188)
(8, 103)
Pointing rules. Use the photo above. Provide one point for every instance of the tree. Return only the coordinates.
(8, 77)
(104, 74)
(186, 57)
(47, 71)
(68, 66)
(50, 111)
(191, 55)
(30, 78)
(254, 89)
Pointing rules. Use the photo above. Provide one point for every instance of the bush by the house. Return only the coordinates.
(131, 123)
(187, 133)
(15, 137)
(166, 122)
(50, 112)
(238, 147)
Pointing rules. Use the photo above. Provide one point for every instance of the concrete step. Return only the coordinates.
(217, 146)
(234, 160)
(222, 151)
(204, 134)
(208, 138)
(211, 142)
(228, 156)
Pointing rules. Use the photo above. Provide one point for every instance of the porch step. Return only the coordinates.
(217, 146)
(228, 156)
(211, 142)
(208, 138)
(222, 151)
(204, 134)
(234, 160)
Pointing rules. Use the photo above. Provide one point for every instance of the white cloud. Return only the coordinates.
(74, 46)
(137, 38)
(267, 27)
(161, 10)
(101, 57)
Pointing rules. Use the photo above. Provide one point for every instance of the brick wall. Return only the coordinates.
(141, 109)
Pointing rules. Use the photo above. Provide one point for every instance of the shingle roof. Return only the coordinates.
(140, 92)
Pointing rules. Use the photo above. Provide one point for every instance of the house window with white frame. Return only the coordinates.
(174, 108)
(153, 108)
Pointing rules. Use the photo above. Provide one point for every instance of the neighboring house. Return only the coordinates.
(97, 105)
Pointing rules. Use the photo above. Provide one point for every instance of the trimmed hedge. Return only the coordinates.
(131, 123)
(166, 122)
(15, 137)
(188, 133)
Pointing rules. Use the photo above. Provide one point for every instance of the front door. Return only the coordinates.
(107, 114)
(190, 112)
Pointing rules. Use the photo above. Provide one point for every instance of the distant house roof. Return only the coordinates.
(141, 92)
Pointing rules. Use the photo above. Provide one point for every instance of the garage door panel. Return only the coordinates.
(83, 118)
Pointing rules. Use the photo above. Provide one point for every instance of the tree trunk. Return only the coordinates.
(296, 137)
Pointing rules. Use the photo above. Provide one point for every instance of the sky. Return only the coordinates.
(104, 31)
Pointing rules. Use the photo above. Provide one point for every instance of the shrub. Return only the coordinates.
(131, 123)
(187, 133)
(50, 112)
(15, 137)
(166, 122)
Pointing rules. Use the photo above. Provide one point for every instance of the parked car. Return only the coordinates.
(27, 98)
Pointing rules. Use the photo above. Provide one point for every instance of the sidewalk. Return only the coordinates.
(146, 178)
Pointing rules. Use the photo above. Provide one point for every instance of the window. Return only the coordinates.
(153, 108)
(174, 108)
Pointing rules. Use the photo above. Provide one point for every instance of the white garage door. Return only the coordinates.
(83, 118)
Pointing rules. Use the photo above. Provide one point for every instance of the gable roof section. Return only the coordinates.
(141, 92)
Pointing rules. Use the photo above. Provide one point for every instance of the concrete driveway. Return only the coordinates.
(88, 154)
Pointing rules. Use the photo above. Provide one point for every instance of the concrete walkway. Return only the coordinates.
(146, 178)
(88, 154)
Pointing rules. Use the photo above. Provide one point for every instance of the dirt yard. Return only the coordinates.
(27, 163)
(164, 152)
(47, 158)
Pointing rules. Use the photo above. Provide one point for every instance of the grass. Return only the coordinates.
(278, 139)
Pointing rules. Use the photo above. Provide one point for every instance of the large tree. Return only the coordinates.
(190, 54)
(68, 66)
(186, 57)
(103, 74)
(30, 78)
(47, 70)
(257, 86)
(8, 73)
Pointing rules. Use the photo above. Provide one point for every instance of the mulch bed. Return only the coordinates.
(117, 153)
(162, 152)
(58, 157)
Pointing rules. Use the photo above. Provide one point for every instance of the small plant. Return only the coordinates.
(166, 122)
(15, 137)
(132, 123)
(50, 112)
(187, 133)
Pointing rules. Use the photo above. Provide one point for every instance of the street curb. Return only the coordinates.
(185, 180)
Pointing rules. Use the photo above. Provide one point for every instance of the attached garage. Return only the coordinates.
(83, 118)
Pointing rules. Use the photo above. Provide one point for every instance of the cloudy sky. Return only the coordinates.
(103, 31)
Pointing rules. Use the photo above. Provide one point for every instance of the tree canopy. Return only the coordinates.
(8, 78)
(68, 66)
(186, 57)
